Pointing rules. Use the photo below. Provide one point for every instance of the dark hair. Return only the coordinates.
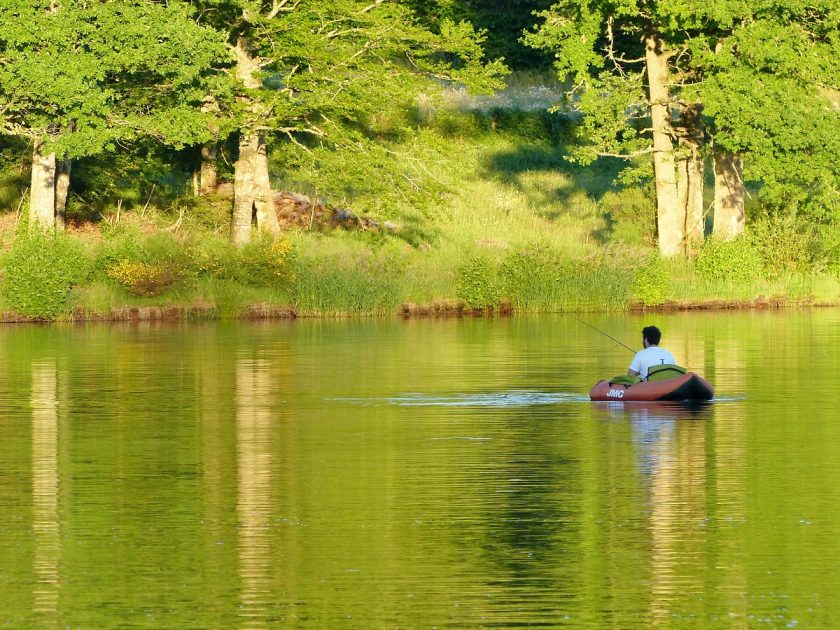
(652, 334)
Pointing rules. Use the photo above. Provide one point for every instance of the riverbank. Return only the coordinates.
(493, 218)
(436, 310)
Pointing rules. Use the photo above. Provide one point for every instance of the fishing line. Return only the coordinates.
(603, 333)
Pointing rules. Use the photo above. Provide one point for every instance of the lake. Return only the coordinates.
(418, 474)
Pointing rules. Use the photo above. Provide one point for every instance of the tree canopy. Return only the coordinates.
(753, 76)
(86, 76)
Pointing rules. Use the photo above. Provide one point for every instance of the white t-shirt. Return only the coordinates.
(647, 358)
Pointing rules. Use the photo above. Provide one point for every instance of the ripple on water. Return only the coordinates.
(495, 399)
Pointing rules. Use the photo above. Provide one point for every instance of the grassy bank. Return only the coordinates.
(486, 212)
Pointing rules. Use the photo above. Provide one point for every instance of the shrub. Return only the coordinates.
(478, 282)
(787, 244)
(40, 271)
(652, 282)
(144, 265)
(630, 215)
(366, 281)
(143, 279)
(265, 262)
(119, 245)
(729, 260)
(533, 277)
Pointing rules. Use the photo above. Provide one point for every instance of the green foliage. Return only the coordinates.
(736, 260)
(331, 283)
(540, 278)
(479, 283)
(630, 215)
(267, 261)
(40, 271)
(787, 244)
(144, 265)
(381, 180)
(598, 282)
(146, 174)
(763, 74)
(143, 279)
(502, 22)
(534, 277)
(652, 282)
(86, 76)
(118, 246)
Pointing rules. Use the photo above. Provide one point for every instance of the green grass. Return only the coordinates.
(468, 180)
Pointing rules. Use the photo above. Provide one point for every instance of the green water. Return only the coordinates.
(391, 474)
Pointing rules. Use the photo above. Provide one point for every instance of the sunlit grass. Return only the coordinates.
(688, 286)
(501, 184)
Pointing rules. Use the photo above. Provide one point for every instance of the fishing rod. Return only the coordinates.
(603, 333)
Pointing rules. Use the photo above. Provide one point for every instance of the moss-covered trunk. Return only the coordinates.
(670, 216)
(691, 176)
(729, 196)
(42, 192)
(252, 186)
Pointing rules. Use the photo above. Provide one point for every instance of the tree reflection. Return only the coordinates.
(254, 505)
(45, 518)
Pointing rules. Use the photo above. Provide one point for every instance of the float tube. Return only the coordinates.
(688, 386)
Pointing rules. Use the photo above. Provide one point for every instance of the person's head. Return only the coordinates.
(651, 336)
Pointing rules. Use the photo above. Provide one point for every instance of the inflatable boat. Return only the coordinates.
(688, 386)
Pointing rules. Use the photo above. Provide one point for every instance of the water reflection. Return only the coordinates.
(45, 519)
(254, 505)
(332, 483)
(670, 444)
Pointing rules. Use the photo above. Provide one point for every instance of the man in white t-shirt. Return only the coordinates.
(651, 355)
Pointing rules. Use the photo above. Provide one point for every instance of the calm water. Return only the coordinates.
(390, 474)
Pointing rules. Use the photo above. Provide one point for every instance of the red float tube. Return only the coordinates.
(688, 386)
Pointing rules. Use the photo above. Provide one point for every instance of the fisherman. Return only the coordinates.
(652, 354)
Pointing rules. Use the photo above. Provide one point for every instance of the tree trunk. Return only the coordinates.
(252, 186)
(42, 196)
(729, 196)
(244, 189)
(263, 202)
(207, 177)
(670, 217)
(691, 176)
(62, 187)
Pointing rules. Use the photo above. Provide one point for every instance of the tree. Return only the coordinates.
(79, 78)
(619, 59)
(739, 81)
(769, 72)
(317, 69)
(504, 23)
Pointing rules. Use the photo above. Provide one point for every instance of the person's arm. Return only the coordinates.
(635, 366)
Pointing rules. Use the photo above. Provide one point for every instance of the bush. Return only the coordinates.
(265, 262)
(122, 245)
(478, 282)
(534, 276)
(787, 244)
(737, 260)
(630, 215)
(143, 279)
(652, 282)
(145, 266)
(364, 282)
(40, 271)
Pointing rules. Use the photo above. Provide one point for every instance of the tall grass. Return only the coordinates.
(468, 180)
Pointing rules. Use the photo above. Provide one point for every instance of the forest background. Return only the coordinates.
(228, 158)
